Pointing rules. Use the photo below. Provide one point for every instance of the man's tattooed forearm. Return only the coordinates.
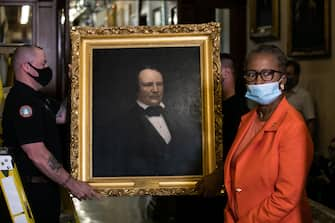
(53, 163)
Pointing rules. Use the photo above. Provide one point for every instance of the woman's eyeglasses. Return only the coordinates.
(266, 74)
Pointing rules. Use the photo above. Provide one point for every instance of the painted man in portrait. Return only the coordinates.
(148, 139)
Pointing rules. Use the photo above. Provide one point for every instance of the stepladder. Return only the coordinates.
(13, 191)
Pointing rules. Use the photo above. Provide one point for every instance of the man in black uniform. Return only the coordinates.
(30, 131)
(234, 106)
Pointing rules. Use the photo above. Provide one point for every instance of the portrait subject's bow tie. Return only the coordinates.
(153, 111)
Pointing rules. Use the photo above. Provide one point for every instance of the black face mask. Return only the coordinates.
(44, 75)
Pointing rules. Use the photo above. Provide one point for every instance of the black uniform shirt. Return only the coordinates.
(28, 117)
(233, 109)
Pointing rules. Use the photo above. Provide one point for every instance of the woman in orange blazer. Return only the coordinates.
(267, 166)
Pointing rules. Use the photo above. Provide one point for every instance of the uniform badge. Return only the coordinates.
(26, 111)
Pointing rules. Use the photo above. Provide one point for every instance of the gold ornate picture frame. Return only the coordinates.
(105, 67)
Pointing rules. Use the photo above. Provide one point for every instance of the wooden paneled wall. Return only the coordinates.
(199, 11)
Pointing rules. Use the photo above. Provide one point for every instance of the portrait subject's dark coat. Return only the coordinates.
(137, 149)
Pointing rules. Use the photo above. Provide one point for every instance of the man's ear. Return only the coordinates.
(28, 69)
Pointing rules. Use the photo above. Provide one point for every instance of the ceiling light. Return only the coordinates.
(25, 12)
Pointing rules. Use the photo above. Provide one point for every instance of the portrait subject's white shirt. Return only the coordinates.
(159, 123)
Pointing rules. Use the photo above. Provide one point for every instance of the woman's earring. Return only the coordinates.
(282, 86)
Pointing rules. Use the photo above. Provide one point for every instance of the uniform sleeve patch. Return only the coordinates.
(26, 111)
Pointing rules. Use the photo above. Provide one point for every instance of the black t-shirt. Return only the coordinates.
(29, 117)
(232, 108)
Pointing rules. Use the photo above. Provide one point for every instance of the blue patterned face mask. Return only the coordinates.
(263, 94)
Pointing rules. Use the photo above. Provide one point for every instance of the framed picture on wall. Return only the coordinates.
(264, 20)
(145, 102)
(308, 28)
